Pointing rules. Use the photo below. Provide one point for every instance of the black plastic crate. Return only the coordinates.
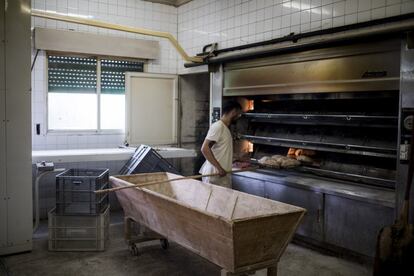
(147, 160)
(75, 192)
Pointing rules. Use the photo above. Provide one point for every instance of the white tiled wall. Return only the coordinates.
(126, 12)
(200, 22)
(238, 22)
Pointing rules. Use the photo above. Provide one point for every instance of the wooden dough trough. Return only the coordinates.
(235, 230)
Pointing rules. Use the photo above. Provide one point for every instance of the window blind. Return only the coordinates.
(71, 74)
(113, 74)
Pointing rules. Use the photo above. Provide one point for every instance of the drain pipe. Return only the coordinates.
(39, 176)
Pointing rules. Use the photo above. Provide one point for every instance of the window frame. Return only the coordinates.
(97, 131)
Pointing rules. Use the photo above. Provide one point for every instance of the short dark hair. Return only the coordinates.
(229, 106)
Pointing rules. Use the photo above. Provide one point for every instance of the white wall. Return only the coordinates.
(238, 22)
(126, 12)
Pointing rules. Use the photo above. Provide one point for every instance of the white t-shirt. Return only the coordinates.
(222, 148)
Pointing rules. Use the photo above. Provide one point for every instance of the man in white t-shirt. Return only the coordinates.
(217, 147)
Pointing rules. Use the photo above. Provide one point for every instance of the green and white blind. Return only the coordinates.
(113, 74)
(71, 74)
(79, 74)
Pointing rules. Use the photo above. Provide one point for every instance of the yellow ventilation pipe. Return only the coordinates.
(102, 24)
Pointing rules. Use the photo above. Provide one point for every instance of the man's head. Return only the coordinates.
(231, 110)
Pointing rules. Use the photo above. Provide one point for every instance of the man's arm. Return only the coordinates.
(208, 154)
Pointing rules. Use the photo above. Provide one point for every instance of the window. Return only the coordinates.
(87, 93)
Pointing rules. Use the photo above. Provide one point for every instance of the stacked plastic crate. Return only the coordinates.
(80, 220)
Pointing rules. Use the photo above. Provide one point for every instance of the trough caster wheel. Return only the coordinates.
(133, 249)
(164, 244)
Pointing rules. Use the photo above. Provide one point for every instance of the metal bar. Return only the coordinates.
(323, 146)
(106, 25)
(327, 119)
(274, 115)
(98, 92)
(362, 178)
(311, 82)
(385, 183)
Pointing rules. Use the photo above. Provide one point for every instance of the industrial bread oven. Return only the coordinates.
(343, 103)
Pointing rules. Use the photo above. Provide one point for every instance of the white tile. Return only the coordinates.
(252, 5)
(305, 27)
(286, 21)
(378, 3)
(268, 13)
(327, 11)
(378, 13)
(316, 3)
(93, 6)
(305, 17)
(277, 23)
(295, 29)
(252, 17)
(316, 14)
(39, 4)
(326, 23)
(305, 4)
(364, 5)
(268, 3)
(72, 140)
(62, 3)
(316, 25)
(284, 31)
(392, 2)
(364, 16)
(259, 27)
(103, 8)
(295, 6)
(268, 25)
(286, 8)
(295, 19)
(351, 18)
(260, 15)
(73, 4)
(61, 140)
(339, 9)
(51, 4)
(277, 10)
(338, 21)
(407, 7)
(393, 10)
(351, 6)
(51, 140)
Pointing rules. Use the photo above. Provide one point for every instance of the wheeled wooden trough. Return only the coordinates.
(237, 231)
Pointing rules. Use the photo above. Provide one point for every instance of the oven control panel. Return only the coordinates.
(407, 117)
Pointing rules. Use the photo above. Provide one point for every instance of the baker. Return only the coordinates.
(217, 147)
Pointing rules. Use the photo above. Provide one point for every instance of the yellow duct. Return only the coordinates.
(102, 24)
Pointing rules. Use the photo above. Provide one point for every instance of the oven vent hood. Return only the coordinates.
(365, 67)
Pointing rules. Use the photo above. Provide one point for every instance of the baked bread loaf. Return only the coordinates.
(288, 163)
(304, 159)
